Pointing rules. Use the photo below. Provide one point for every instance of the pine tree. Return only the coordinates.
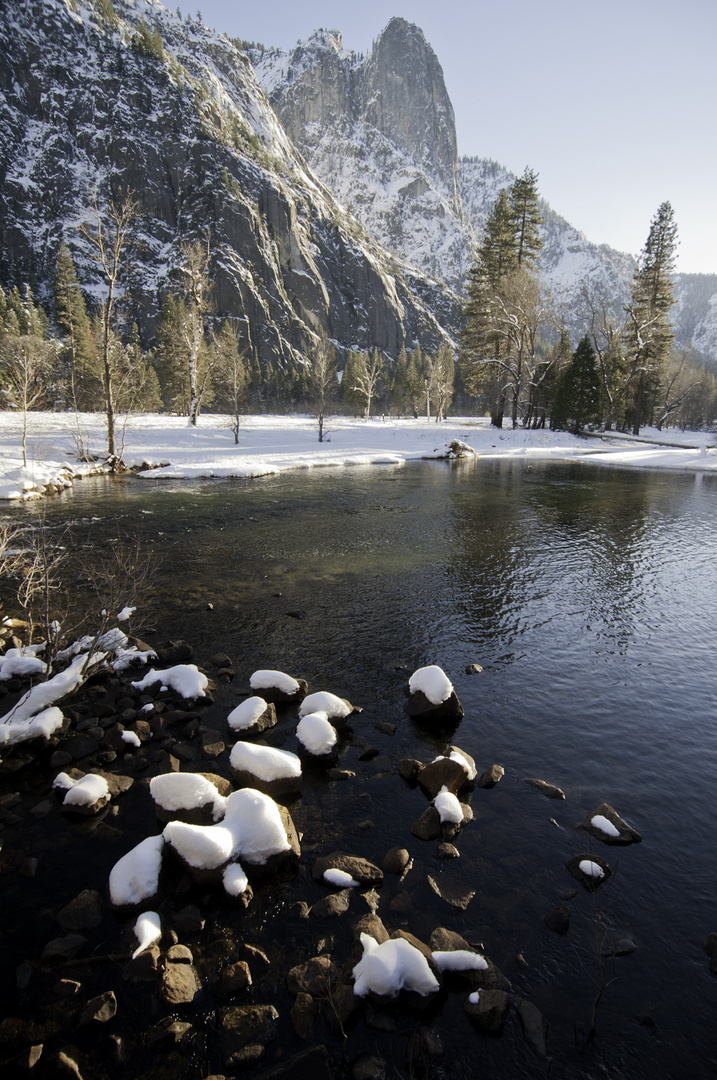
(649, 335)
(577, 396)
(78, 354)
(496, 330)
(527, 219)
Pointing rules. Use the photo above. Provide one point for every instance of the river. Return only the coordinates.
(587, 596)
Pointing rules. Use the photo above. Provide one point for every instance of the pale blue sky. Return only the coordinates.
(612, 102)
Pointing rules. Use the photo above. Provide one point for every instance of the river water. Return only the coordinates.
(587, 595)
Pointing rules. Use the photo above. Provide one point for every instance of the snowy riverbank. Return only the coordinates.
(167, 447)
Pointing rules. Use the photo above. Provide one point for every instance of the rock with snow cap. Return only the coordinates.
(590, 869)
(278, 688)
(453, 770)
(317, 736)
(432, 698)
(336, 709)
(266, 768)
(361, 870)
(606, 824)
(86, 796)
(252, 717)
(197, 798)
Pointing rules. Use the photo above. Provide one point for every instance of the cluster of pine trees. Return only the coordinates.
(516, 355)
(516, 358)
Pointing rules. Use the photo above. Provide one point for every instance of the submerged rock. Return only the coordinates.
(550, 791)
(488, 1010)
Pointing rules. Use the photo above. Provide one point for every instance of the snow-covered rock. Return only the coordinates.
(333, 707)
(253, 716)
(277, 687)
(316, 734)
(186, 679)
(391, 967)
(87, 795)
(147, 930)
(274, 771)
(190, 797)
(135, 878)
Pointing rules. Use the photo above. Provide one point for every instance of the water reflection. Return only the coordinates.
(587, 595)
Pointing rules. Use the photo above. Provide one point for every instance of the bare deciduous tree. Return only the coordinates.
(108, 237)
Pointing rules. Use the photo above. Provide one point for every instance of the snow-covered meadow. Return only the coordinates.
(167, 447)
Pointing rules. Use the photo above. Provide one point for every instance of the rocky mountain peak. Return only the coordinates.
(405, 98)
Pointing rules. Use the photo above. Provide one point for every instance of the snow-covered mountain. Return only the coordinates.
(102, 98)
(379, 131)
(344, 207)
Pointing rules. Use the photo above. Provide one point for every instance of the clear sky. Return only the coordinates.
(612, 102)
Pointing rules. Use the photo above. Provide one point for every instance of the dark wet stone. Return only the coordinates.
(170, 653)
(361, 870)
(100, 1009)
(626, 834)
(67, 988)
(287, 785)
(189, 920)
(41, 809)
(240, 1025)
(341, 774)
(311, 1064)
(550, 791)
(60, 759)
(82, 913)
(332, 905)
(428, 826)
(179, 954)
(473, 669)
(368, 1067)
(408, 770)
(369, 924)
(491, 776)
(386, 728)
(64, 948)
(316, 977)
(167, 1032)
(453, 892)
(235, 979)
(255, 954)
(180, 984)
(380, 1020)
(448, 714)
(535, 1027)
(220, 660)
(444, 772)
(613, 944)
(447, 851)
(143, 968)
(211, 744)
(558, 919)
(29, 1057)
(23, 976)
(79, 746)
(304, 1013)
(67, 1062)
(490, 1012)
(396, 861)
